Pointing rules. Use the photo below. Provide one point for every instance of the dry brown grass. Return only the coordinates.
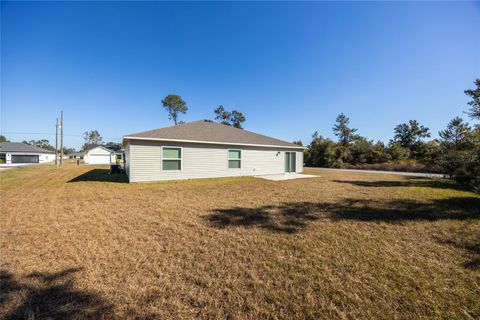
(76, 246)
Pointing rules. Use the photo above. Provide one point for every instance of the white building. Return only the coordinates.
(98, 155)
(21, 153)
(206, 149)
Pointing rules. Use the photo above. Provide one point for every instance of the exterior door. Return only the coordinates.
(290, 161)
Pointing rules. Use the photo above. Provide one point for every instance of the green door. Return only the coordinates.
(287, 161)
(290, 161)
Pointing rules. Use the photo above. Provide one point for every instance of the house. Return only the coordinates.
(97, 155)
(76, 155)
(117, 156)
(19, 153)
(102, 155)
(206, 149)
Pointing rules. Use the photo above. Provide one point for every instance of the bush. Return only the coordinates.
(469, 170)
(461, 159)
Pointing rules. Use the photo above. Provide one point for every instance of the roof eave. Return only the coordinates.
(101, 147)
(28, 151)
(214, 142)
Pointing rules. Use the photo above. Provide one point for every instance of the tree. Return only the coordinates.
(456, 133)
(42, 143)
(233, 119)
(409, 136)
(174, 105)
(455, 147)
(378, 153)
(396, 151)
(298, 142)
(92, 138)
(342, 130)
(474, 111)
(222, 115)
(115, 146)
(237, 119)
(320, 152)
(429, 153)
(359, 150)
(67, 150)
(3, 139)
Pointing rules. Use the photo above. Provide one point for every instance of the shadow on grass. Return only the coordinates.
(49, 296)
(292, 218)
(409, 182)
(455, 208)
(101, 175)
(287, 217)
(470, 243)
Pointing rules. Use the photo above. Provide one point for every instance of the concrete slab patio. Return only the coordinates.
(286, 176)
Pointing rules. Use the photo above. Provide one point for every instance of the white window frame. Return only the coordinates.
(239, 159)
(181, 158)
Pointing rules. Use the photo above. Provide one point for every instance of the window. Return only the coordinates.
(234, 159)
(171, 158)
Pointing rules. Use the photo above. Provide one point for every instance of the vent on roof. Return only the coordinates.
(207, 120)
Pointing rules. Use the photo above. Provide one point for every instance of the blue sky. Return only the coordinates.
(290, 67)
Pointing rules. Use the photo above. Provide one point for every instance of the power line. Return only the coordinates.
(53, 134)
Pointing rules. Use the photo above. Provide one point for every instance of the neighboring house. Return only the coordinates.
(76, 155)
(117, 156)
(206, 149)
(102, 155)
(97, 155)
(16, 152)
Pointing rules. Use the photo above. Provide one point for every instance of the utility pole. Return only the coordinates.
(61, 138)
(56, 143)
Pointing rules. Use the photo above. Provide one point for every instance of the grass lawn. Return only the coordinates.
(77, 243)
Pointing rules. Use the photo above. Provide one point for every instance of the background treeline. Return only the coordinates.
(455, 153)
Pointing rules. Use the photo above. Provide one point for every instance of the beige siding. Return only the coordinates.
(144, 160)
(299, 163)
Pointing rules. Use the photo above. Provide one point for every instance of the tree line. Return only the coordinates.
(455, 153)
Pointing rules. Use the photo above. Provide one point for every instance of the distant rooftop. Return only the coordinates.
(21, 147)
(206, 131)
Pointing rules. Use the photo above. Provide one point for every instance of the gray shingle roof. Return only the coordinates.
(21, 147)
(76, 154)
(206, 131)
